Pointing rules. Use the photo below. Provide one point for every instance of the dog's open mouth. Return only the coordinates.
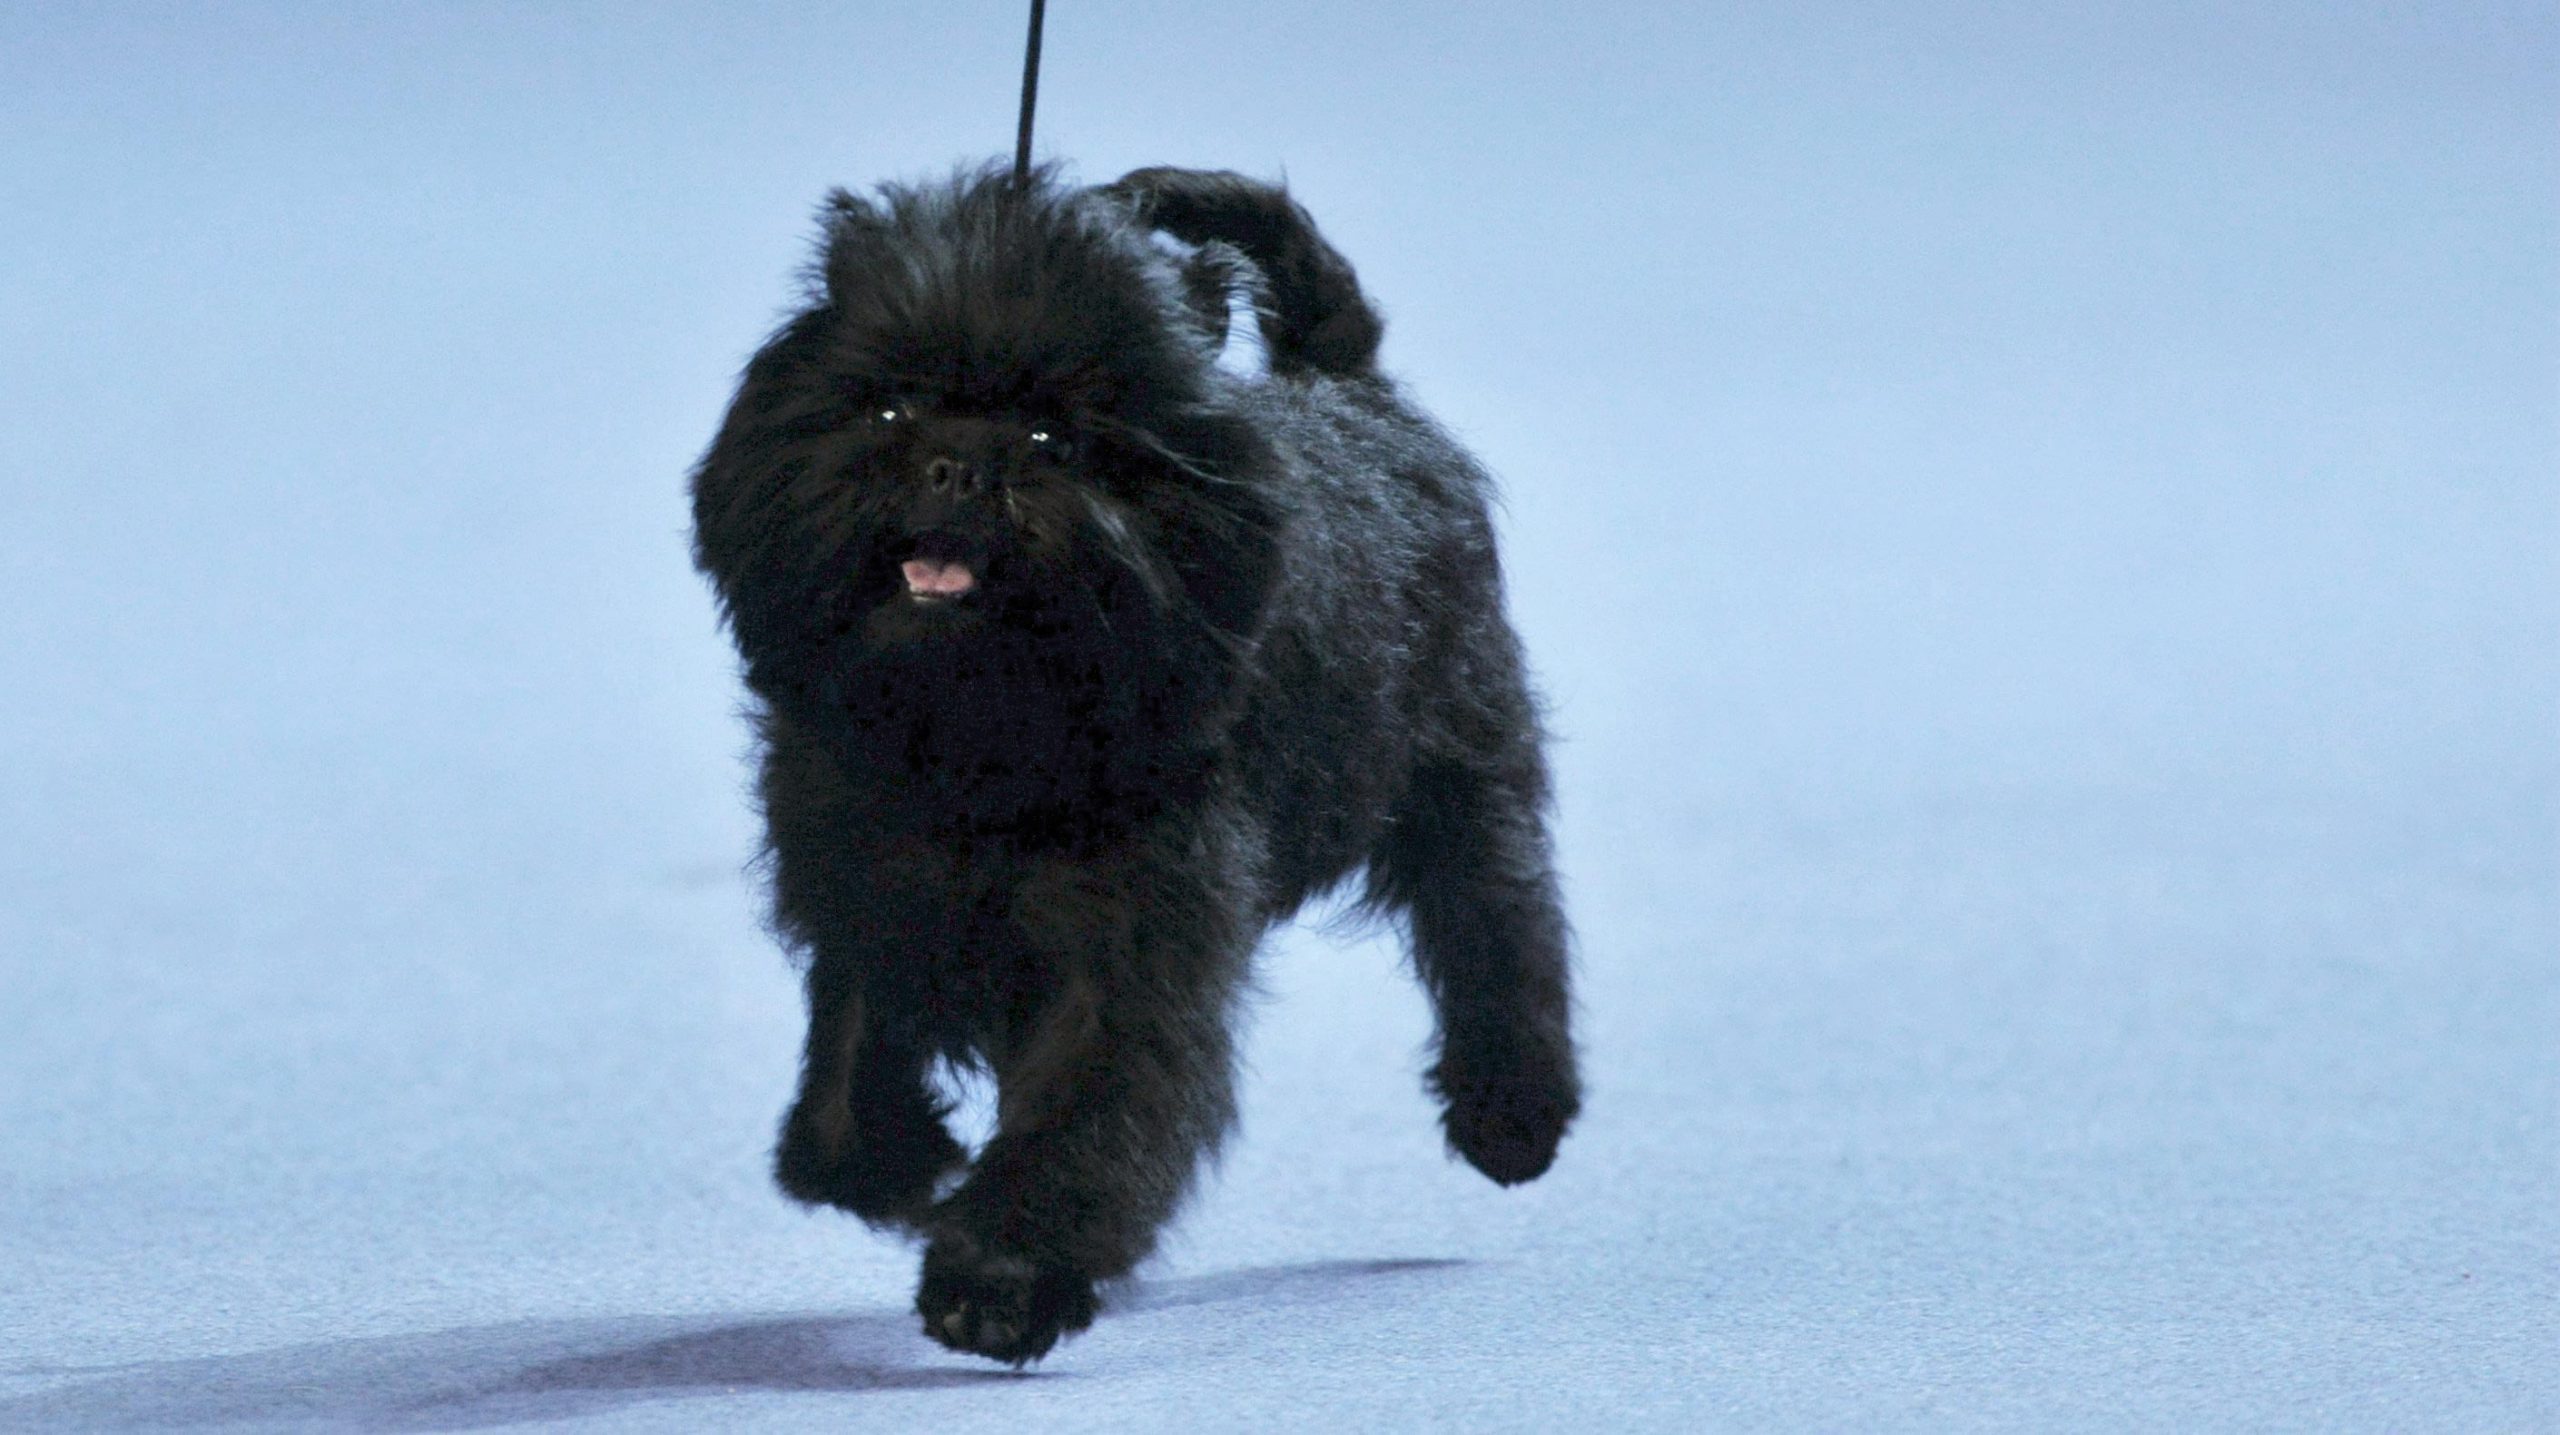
(941, 567)
(938, 580)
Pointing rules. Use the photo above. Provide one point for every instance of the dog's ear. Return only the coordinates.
(849, 225)
(843, 206)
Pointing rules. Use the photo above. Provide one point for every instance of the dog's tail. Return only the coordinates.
(1315, 316)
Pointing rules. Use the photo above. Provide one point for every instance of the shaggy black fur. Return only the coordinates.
(1080, 662)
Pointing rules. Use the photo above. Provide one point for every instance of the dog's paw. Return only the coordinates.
(1002, 1306)
(1506, 1117)
(886, 1181)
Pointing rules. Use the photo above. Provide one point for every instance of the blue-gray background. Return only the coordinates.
(2038, 522)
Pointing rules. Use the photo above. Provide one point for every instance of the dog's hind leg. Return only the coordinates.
(1466, 859)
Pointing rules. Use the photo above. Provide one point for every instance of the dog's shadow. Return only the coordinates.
(477, 1377)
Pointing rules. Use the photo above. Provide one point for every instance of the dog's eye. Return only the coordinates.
(1051, 444)
(887, 414)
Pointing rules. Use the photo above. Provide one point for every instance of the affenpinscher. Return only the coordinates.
(1080, 660)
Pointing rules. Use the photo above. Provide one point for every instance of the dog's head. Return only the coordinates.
(995, 440)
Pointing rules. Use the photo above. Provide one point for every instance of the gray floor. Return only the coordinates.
(2040, 532)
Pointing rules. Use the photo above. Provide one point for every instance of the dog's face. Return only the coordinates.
(968, 518)
(996, 439)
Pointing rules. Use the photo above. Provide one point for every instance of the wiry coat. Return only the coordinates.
(1174, 649)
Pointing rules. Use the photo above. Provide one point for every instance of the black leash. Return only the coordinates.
(1030, 92)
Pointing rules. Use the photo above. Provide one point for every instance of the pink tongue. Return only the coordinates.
(926, 575)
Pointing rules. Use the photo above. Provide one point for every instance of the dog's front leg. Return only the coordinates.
(1116, 1081)
(865, 1133)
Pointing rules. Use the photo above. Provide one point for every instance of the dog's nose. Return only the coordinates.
(956, 477)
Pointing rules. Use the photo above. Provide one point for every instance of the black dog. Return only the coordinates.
(1081, 661)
